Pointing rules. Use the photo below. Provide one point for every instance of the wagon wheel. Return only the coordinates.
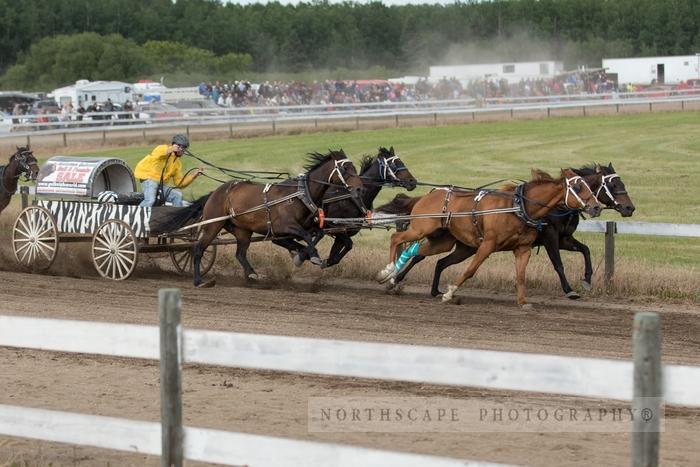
(182, 259)
(35, 238)
(114, 250)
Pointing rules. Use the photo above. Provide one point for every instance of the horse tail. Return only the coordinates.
(401, 205)
(179, 218)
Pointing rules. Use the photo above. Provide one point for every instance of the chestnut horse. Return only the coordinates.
(492, 220)
(285, 209)
(557, 234)
(21, 163)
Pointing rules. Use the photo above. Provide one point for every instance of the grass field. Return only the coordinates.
(657, 156)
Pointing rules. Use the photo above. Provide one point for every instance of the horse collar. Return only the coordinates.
(521, 212)
(303, 189)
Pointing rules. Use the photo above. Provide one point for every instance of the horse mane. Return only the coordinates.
(366, 163)
(20, 150)
(315, 159)
(538, 176)
(592, 169)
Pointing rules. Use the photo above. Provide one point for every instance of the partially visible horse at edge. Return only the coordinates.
(501, 231)
(22, 162)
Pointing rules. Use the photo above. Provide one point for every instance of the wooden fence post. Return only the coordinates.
(170, 305)
(610, 228)
(230, 130)
(397, 120)
(24, 193)
(29, 141)
(65, 140)
(357, 123)
(274, 126)
(646, 404)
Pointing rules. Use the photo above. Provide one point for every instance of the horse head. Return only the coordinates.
(393, 170)
(578, 194)
(26, 163)
(336, 169)
(612, 191)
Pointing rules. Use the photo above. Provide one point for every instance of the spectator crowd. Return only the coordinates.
(286, 93)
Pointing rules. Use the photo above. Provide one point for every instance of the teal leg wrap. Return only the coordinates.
(407, 254)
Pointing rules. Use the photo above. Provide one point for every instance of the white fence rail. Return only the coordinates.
(575, 376)
(643, 228)
(201, 444)
(587, 377)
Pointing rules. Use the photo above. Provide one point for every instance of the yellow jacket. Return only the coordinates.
(151, 168)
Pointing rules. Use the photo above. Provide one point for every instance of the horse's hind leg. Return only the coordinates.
(296, 249)
(206, 236)
(571, 244)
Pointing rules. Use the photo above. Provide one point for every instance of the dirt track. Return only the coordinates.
(276, 404)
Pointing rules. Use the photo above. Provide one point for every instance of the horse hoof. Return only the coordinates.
(449, 295)
(297, 259)
(389, 272)
(252, 276)
(206, 285)
(316, 260)
(586, 285)
(324, 264)
(527, 306)
(573, 295)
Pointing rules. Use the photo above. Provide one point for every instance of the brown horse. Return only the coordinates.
(21, 163)
(286, 209)
(490, 221)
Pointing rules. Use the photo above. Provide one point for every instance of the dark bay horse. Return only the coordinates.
(386, 168)
(285, 209)
(491, 220)
(21, 163)
(557, 234)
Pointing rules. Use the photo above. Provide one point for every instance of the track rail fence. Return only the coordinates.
(610, 228)
(101, 124)
(584, 377)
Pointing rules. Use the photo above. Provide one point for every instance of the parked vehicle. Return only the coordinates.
(158, 111)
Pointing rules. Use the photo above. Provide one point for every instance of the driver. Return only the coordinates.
(164, 167)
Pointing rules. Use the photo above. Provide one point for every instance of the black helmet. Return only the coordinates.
(181, 140)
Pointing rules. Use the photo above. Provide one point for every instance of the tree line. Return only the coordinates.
(125, 39)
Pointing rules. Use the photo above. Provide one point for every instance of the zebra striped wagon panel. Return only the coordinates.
(84, 217)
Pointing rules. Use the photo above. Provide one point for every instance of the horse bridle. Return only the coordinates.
(339, 169)
(25, 168)
(604, 186)
(570, 182)
(388, 168)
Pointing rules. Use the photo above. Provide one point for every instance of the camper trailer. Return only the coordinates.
(88, 92)
(654, 70)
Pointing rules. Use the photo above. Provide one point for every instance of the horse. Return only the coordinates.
(556, 234)
(21, 163)
(491, 220)
(284, 209)
(386, 168)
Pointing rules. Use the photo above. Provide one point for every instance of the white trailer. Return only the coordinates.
(654, 70)
(87, 92)
(513, 72)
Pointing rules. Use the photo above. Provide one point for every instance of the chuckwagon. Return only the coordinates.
(94, 199)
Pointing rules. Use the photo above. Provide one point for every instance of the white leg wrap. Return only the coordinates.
(387, 273)
(447, 296)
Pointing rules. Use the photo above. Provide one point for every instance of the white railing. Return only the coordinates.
(29, 125)
(585, 377)
(610, 228)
